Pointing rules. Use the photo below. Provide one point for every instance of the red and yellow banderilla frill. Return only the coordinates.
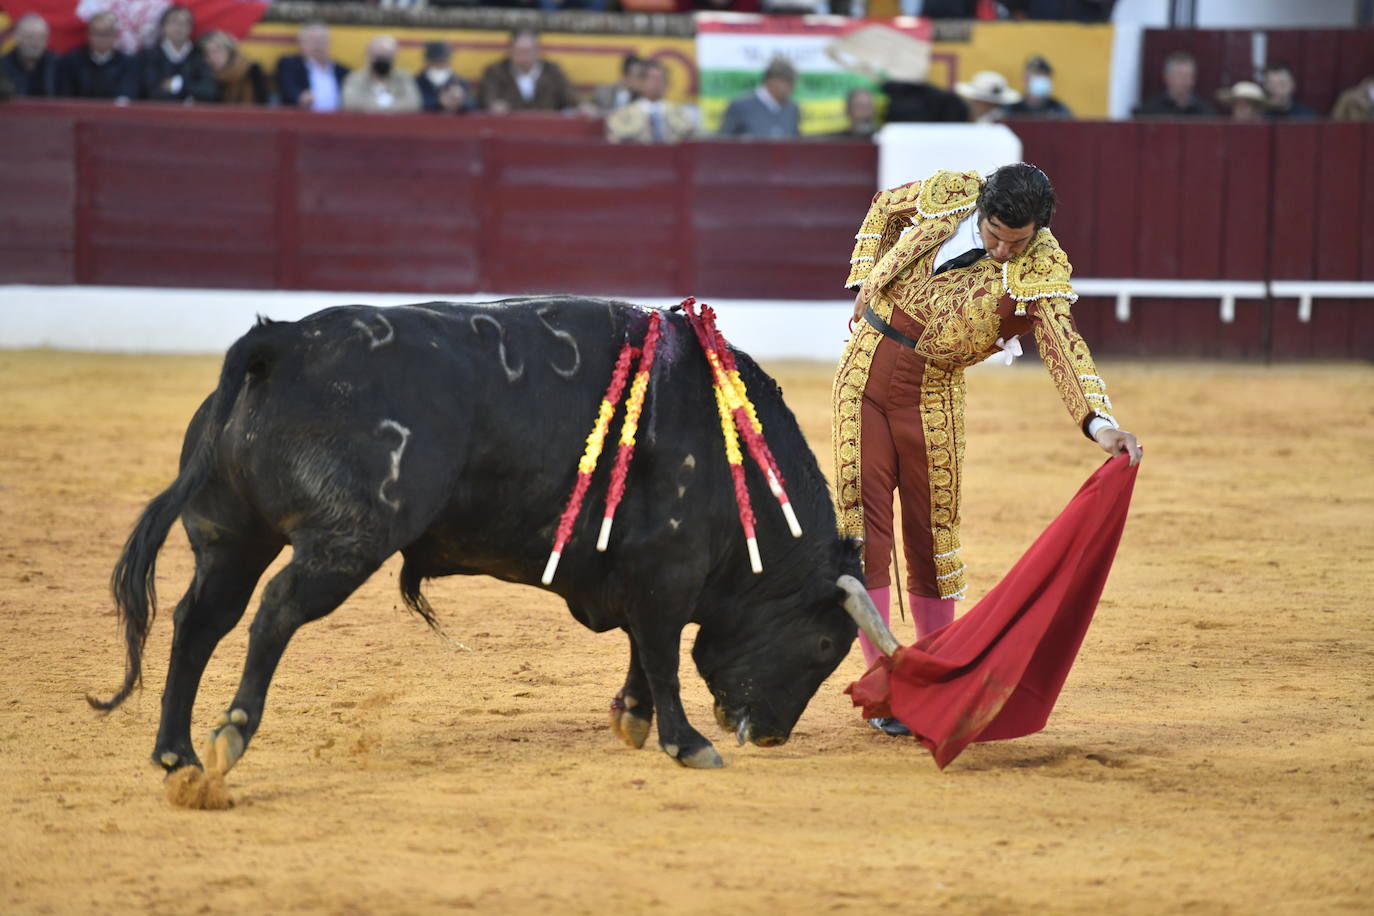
(596, 439)
(738, 417)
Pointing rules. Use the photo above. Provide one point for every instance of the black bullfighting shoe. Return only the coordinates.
(892, 727)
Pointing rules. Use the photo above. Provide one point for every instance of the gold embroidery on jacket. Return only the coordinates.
(957, 315)
(942, 414)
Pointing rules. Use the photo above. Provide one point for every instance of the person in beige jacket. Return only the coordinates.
(649, 119)
(1356, 103)
(381, 86)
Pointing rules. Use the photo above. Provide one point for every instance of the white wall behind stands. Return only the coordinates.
(138, 320)
(1242, 14)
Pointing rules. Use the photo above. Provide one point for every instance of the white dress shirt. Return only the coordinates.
(525, 81)
(965, 238)
(324, 88)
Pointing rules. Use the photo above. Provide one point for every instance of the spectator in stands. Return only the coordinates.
(623, 91)
(173, 68)
(241, 81)
(862, 112)
(97, 69)
(1356, 103)
(987, 96)
(1039, 102)
(1280, 86)
(767, 111)
(1179, 98)
(311, 79)
(649, 118)
(441, 89)
(1077, 10)
(381, 86)
(30, 66)
(523, 81)
(1246, 101)
(591, 6)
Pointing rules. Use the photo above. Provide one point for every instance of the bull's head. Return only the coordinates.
(763, 665)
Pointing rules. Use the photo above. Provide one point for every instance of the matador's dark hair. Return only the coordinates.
(1017, 195)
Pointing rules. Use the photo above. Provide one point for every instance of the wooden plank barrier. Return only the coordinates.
(263, 198)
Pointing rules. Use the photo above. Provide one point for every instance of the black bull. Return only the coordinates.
(451, 433)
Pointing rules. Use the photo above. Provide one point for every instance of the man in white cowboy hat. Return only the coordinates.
(1246, 100)
(986, 94)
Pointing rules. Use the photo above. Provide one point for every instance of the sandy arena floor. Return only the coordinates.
(1212, 752)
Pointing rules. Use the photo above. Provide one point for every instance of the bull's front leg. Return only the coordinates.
(658, 645)
(632, 710)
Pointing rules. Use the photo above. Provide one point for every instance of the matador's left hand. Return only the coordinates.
(1120, 442)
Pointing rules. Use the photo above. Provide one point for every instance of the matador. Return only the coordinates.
(949, 271)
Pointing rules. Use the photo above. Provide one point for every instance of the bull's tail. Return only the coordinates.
(133, 581)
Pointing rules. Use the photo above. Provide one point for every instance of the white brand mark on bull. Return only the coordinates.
(689, 465)
(513, 373)
(396, 453)
(382, 341)
(567, 339)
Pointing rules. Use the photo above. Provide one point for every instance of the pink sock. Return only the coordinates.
(929, 614)
(882, 597)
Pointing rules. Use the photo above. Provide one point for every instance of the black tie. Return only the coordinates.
(972, 256)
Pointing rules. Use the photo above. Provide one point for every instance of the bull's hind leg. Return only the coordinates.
(324, 570)
(659, 643)
(632, 710)
(226, 573)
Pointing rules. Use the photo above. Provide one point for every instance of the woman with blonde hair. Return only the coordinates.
(240, 80)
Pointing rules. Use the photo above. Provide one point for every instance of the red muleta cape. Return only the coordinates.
(996, 671)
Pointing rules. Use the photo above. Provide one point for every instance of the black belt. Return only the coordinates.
(887, 330)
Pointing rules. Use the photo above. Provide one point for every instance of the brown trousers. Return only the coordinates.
(895, 457)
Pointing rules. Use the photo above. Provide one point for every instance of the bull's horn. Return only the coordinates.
(865, 614)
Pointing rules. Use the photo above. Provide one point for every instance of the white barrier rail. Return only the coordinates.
(1307, 290)
(1226, 291)
(133, 319)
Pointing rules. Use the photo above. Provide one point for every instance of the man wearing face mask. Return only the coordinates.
(381, 86)
(1039, 102)
(949, 271)
(442, 90)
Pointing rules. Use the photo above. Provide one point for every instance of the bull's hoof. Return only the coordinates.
(628, 724)
(191, 787)
(203, 789)
(703, 758)
(225, 748)
(176, 757)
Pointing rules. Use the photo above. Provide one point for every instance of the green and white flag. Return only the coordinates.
(734, 48)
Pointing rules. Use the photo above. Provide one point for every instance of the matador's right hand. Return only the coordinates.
(859, 305)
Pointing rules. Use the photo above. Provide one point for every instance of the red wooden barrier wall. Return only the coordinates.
(270, 199)
(261, 199)
(1210, 200)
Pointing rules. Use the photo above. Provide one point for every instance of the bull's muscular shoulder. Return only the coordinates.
(1041, 271)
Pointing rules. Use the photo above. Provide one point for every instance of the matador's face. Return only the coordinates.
(1004, 242)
